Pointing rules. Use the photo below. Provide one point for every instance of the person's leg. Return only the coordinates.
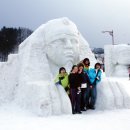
(86, 97)
(93, 97)
(83, 92)
(78, 103)
(73, 99)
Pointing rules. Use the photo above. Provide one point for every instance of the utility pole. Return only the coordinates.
(110, 33)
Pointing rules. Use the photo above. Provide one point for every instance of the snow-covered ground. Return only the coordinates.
(14, 118)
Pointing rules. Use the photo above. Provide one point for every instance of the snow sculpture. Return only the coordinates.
(54, 44)
(117, 60)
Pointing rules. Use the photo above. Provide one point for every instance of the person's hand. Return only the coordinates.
(78, 88)
(97, 78)
(80, 71)
(66, 89)
(57, 83)
(91, 86)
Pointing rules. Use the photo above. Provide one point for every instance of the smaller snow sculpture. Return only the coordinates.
(117, 60)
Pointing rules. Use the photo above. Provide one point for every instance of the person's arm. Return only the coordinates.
(56, 79)
(90, 75)
(99, 76)
(87, 79)
(65, 82)
(70, 80)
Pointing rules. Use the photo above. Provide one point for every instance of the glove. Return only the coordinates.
(58, 83)
(66, 89)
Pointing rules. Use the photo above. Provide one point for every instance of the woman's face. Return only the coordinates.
(98, 67)
(63, 49)
(62, 71)
(86, 62)
(75, 70)
(81, 68)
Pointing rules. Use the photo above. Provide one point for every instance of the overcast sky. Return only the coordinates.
(90, 16)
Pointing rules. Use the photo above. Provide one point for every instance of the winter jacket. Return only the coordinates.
(85, 67)
(84, 78)
(63, 80)
(92, 73)
(74, 80)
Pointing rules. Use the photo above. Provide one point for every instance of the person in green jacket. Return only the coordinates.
(62, 79)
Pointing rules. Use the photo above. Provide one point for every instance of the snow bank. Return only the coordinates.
(9, 78)
(14, 118)
(113, 93)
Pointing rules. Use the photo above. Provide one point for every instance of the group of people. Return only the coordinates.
(80, 85)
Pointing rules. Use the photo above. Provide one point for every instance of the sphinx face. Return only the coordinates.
(63, 49)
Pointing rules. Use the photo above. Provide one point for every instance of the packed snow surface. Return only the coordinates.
(15, 118)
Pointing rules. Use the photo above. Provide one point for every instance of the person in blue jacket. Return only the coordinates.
(91, 92)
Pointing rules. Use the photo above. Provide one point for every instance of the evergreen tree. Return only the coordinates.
(10, 38)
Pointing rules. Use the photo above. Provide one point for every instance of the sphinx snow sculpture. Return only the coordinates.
(54, 44)
(117, 60)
